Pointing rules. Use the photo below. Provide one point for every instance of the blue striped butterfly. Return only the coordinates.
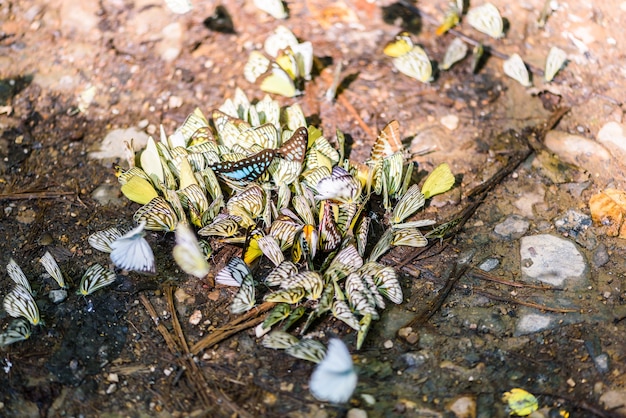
(246, 170)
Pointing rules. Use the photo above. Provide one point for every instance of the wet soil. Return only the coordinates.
(104, 355)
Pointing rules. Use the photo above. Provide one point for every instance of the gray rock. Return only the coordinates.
(513, 227)
(489, 264)
(552, 260)
(600, 256)
(58, 295)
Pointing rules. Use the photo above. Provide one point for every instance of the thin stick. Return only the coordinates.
(483, 275)
(34, 195)
(251, 319)
(520, 302)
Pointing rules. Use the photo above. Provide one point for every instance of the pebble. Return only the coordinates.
(195, 317)
(356, 413)
(532, 323)
(489, 264)
(572, 223)
(528, 200)
(600, 256)
(108, 194)
(57, 295)
(513, 227)
(615, 400)
(368, 399)
(613, 136)
(463, 407)
(451, 122)
(552, 260)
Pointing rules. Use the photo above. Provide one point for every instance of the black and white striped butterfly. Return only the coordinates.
(20, 303)
(96, 277)
(234, 273)
(246, 170)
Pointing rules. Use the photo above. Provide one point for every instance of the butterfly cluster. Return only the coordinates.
(289, 65)
(413, 61)
(259, 176)
(20, 301)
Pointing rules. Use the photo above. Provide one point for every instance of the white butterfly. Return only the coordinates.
(515, 68)
(19, 302)
(96, 277)
(132, 252)
(179, 6)
(51, 266)
(17, 275)
(334, 378)
(555, 60)
(102, 240)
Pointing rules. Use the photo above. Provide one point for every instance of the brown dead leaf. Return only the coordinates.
(608, 209)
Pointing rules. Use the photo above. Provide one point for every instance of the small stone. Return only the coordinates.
(113, 147)
(174, 102)
(463, 407)
(356, 413)
(513, 227)
(531, 323)
(388, 344)
(613, 136)
(489, 264)
(195, 317)
(602, 362)
(552, 260)
(600, 256)
(57, 295)
(451, 122)
(112, 388)
(368, 399)
(113, 377)
(615, 401)
(107, 194)
(572, 223)
(571, 382)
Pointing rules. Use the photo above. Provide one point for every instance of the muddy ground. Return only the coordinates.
(103, 355)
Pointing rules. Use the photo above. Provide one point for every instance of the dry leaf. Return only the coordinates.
(608, 209)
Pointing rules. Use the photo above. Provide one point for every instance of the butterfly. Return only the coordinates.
(234, 273)
(408, 204)
(340, 186)
(440, 180)
(17, 275)
(96, 277)
(246, 170)
(334, 378)
(342, 312)
(244, 300)
(307, 349)
(139, 190)
(401, 44)
(555, 60)
(188, 254)
(452, 18)
(18, 330)
(329, 236)
(274, 8)
(279, 340)
(132, 252)
(515, 68)
(51, 266)
(415, 64)
(292, 295)
(281, 273)
(179, 6)
(486, 19)
(20, 303)
(387, 143)
(410, 237)
(102, 240)
(278, 81)
(457, 50)
(294, 149)
(158, 215)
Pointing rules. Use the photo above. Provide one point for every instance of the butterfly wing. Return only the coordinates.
(246, 170)
(334, 378)
(132, 252)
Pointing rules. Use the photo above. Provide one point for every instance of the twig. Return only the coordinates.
(34, 195)
(251, 319)
(519, 302)
(435, 304)
(483, 275)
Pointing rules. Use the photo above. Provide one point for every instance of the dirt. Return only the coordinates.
(103, 355)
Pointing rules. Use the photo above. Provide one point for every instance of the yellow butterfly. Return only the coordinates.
(139, 190)
(400, 45)
(439, 181)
